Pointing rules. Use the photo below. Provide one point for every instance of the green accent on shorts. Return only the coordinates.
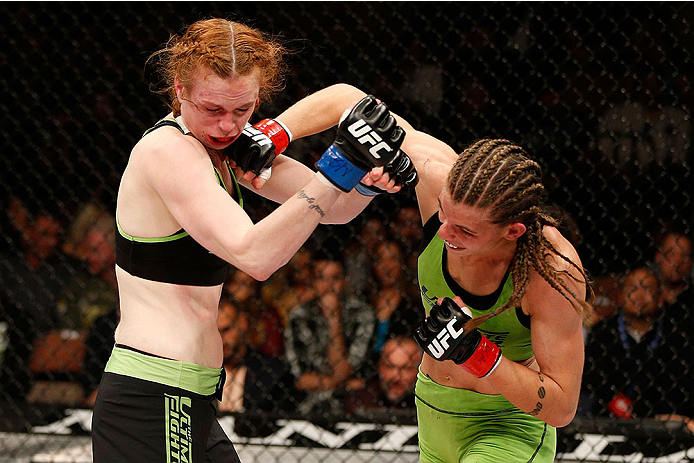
(179, 445)
(457, 425)
(187, 376)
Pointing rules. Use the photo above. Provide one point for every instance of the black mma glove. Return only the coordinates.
(367, 137)
(401, 169)
(258, 145)
(441, 336)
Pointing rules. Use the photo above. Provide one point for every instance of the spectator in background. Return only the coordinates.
(92, 291)
(32, 274)
(608, 294)
(255, 381)
(673, 261)
(396, 312)
(327, 339)
(97, 349)
(265, 329)
(359, 255)
(407, 231)
(638, 362)
(291, 286)
(393, 389)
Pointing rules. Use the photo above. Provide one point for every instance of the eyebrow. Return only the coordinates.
(216, 105)
(461, 227)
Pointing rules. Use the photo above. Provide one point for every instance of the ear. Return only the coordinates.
(257, 104)
(178, 87)
(515, 231)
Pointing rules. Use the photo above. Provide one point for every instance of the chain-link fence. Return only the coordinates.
(599, 93)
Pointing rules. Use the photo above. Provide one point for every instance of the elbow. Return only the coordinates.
(260, 274)
(261, 271)
(562, 419)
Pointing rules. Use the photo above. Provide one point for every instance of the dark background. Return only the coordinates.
(600, 93)
(76, 98)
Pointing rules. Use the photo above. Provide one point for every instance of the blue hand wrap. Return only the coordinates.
(339, 170)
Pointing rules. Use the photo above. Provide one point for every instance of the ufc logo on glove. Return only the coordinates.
(256, 135)
(364, 134)
(438, 346)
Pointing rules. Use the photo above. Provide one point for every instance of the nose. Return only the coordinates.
(229, 125)
(444, 231)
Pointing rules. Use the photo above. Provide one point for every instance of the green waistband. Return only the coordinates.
(459, 401)
(188, 376)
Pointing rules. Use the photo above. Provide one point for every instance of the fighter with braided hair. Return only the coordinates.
(504, 292)
(505, 295)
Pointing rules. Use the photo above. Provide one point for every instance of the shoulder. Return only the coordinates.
(571, 273)
(168, 144)
(542, 294)
(167, 159)
(562, 245)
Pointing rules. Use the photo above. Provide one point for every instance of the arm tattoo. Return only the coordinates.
(541, 393)
(302, 195)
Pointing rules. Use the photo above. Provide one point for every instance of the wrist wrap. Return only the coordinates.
(484, 359)
(339, 170)
(277, 132)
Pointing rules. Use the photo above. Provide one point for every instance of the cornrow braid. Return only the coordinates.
(527, 167)
(488, 168)
(498, 175)
(472, 169)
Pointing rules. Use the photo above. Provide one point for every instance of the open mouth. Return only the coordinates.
(450, 245)
(222, 140)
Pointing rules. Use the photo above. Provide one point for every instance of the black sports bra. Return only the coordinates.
(176, 258)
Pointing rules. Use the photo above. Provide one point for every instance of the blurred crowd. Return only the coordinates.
(328, 335)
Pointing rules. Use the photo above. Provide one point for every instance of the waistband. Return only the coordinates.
(187, 376)
(461, 402)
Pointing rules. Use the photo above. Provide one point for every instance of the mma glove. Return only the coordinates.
(442, 337)
(258, 145)
(401, 169)
(367, 137)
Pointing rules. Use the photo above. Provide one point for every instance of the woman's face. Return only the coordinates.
(466, 230)
(216, 110)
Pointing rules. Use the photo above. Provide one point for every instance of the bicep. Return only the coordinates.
(187, 185)
(557, 336)
(433, 160)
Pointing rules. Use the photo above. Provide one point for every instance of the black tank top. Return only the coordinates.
(176, 258)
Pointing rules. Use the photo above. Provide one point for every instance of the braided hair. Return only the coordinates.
(498, 175)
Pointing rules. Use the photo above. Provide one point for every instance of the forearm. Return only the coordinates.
(289, 176)
(535, 393)
(346, 208)
(270, 243)
(319, 111)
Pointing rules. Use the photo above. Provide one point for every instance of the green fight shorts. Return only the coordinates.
(457, 425)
